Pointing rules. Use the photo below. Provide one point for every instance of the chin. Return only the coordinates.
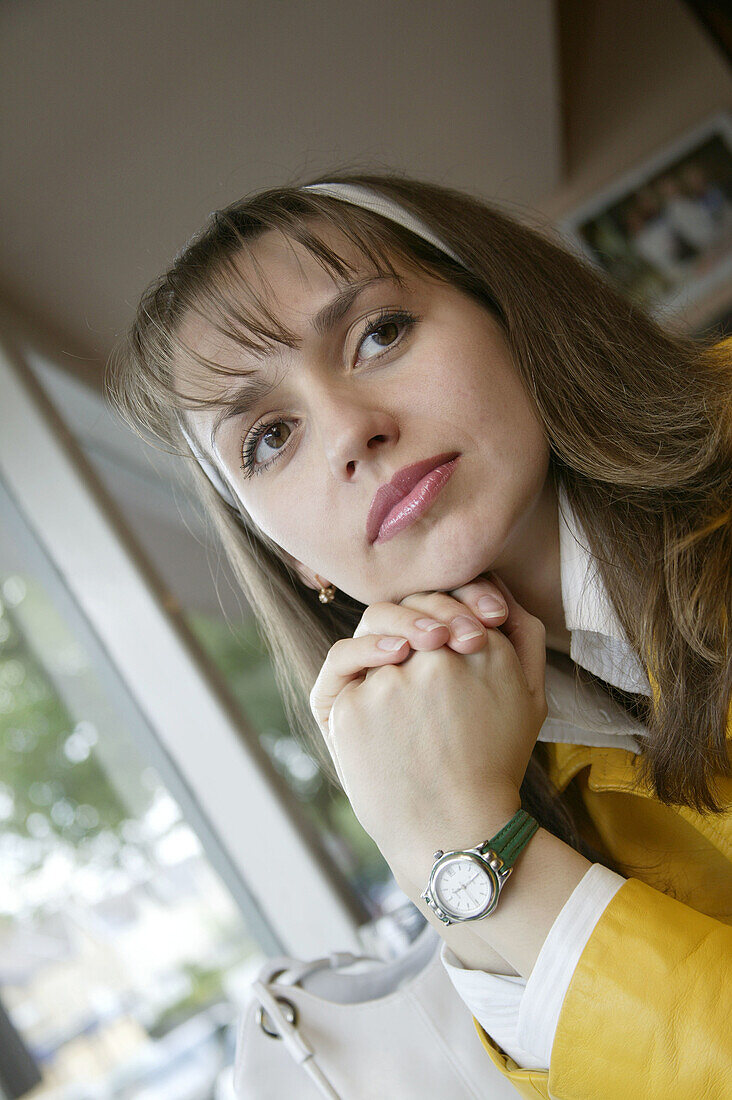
(446, 579)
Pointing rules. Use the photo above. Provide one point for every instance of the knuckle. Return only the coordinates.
(426, 661)
(315, 690)
(475, 588)
(337, 647)
(407, 601)
(414, 600)
(327, 664)
(362, 628)
(348, 693)
(342, 703)
(439, 604)
(503, 651)
(374, 618)
(384, 677)
(377, 610)
(366, 626)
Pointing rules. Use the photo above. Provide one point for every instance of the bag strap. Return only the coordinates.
(379, 978)
(300, 969)
(293, 1041)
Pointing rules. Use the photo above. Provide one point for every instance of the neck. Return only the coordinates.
(530, 567)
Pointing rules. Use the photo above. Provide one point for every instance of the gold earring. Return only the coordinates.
(325, 595)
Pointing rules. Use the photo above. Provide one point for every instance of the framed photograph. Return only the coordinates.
(663, 232)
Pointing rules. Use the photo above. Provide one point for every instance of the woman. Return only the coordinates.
(404, 402)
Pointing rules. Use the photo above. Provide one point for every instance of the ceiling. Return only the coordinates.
(127, 123)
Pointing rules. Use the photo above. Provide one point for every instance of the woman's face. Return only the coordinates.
(347, 411)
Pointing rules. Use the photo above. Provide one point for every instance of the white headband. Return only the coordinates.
(380, 204)
(358, 196)
(209, 469)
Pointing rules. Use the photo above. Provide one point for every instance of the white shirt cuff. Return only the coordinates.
(521, 1015)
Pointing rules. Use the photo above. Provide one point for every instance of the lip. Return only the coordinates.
(395, 492)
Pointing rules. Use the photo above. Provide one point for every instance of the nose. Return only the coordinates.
(353, 429)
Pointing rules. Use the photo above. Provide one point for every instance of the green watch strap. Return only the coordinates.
(510, 841)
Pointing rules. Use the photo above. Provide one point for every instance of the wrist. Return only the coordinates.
(413, 868)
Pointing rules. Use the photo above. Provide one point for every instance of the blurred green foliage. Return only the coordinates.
(47, 766)
(239, 654)
(53, 783)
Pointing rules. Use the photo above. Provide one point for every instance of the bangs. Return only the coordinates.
(242, 310)
(207, 282)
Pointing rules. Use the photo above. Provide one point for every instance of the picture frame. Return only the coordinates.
(663, 231)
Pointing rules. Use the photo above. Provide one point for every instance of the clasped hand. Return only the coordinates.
(432, 739)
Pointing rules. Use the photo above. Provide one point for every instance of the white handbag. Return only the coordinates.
(351, 1027)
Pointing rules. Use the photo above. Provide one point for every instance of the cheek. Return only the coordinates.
(270, 522)
(493, 399)
(522, 450)
(292, 524)
(505, 423)
(277, 528)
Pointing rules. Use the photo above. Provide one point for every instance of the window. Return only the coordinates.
(143, 805)
(123, 955)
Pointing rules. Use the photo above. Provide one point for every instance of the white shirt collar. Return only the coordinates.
(598, 641)
(583, 714)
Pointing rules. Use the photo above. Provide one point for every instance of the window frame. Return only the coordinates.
(111, 596)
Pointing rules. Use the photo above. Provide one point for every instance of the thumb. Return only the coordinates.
(527, 635)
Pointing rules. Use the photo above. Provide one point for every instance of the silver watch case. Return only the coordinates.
(489, 863)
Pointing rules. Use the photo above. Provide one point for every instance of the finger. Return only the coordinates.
(347, 660)
(527, 635)
(464, 633)
(484, 599)
(333, 750)
(422, 631)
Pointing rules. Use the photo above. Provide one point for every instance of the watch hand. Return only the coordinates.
(467, 884)
(464, 888)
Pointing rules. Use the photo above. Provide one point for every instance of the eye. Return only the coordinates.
(251, 445)
(386, 330)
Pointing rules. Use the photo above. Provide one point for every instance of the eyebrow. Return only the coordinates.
(323, 323)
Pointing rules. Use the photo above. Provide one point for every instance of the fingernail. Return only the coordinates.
(428, 624)
(390, 643)
(491, 605)
(464, 628)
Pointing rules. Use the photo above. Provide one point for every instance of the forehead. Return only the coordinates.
(278, 282)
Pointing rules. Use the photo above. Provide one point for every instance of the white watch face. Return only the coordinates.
(463, 887)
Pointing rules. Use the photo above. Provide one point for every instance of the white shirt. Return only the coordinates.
(521, 1015)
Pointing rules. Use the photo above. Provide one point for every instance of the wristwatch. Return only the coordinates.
(466, 884)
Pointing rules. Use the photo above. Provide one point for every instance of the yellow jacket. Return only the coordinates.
(648, 1012)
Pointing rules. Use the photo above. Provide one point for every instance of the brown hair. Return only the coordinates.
(638, 420)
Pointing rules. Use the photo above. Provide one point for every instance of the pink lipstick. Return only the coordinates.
(408, 496)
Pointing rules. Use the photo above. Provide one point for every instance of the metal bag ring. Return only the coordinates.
(290, 1016)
